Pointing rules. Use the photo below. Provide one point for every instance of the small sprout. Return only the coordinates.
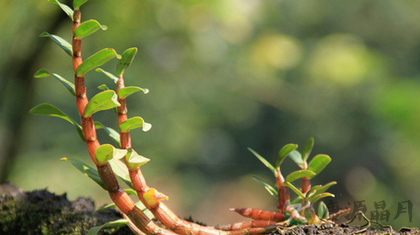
(103, 87)
(135, 160)
(153, 197)
(323, 212)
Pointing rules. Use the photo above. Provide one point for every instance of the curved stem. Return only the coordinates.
(117, 194)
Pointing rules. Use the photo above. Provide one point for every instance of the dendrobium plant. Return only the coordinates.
(121, 160)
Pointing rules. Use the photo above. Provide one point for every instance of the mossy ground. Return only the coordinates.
(42, 212)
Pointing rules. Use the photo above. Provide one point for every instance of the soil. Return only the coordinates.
(43, 212)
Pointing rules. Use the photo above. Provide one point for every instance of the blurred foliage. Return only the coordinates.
(225, 75)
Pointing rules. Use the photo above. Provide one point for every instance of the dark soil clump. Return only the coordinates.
(42, 212)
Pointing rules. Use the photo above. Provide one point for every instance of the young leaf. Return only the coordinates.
(64, 7)
(319, 162)
(96, 60)
(108, 74)
(323, 212)
(106, 152)
(115, 136)
(121, 171)
(50, 110)
(62, 43)
(107, 206)
(307, 148)
(294, 189)
(288, 148)
(78, 3)
(270, 189)
(87, 28)
(116, 223)
(102, 101)
(68, 85)
(317, 189)
(299, 174)
(297, 158)
(320, 196)
(103, 87)
(133, 123)
(135, 160)
(126, 60)
(127, 91)
(263, 160)
(86, 170)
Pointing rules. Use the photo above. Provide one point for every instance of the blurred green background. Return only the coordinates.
(225, 75)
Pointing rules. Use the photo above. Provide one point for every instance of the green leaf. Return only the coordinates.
(78, 3)
(297, 158)
(96, 60)
(319, 197)
(317, 189)
(127, 91)
(64, 7)
(106, 152)
(288, 148)
(102, 101)
(107, 206)
(68, 85)
(87, 28)
(323, 212)
(50, 110)
(108, 74)
(103, 87)
(307, 148)
(130, 191)
(126, 60)
(133, 123)
(135, 160)
(294, 189)
(270, 189)
(86, 170)
(116, 223)
(121, 171)
(115, 136)
(299, 174)
(319, 162)
(66, 46)
(263, 160)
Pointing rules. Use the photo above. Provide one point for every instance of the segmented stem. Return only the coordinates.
(117, 194)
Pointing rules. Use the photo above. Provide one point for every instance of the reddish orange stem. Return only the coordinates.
(118, 196)
(246, 224)
(258, 214)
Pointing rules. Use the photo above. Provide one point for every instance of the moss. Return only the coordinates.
(42, 212)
